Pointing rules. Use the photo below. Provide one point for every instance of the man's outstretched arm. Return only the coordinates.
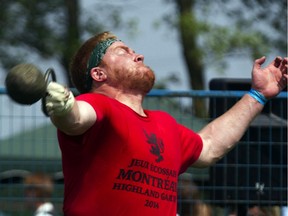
(68, 115)
(222, 134)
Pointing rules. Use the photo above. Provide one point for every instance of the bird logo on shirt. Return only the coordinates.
(157, 146)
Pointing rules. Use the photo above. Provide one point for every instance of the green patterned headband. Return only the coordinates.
(96, 57)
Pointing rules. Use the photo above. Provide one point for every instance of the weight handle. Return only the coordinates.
(49, 75)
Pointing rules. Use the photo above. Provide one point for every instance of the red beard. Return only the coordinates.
(141, 80)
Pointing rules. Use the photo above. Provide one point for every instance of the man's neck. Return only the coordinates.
(130, 99)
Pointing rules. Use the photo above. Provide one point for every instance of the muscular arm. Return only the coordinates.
(222, 134)
(81, 117)
(68, 115)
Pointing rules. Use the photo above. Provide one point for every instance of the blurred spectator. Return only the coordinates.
(263, 211)
(189, 198)
(38, 191)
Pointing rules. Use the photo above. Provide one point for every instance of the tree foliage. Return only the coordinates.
(50, 29)
(210, 31)
(253, 27)
(54, 29)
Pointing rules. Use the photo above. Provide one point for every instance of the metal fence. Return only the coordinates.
(253, 174)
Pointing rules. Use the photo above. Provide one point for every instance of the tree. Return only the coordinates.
(254, 27)
(50, 29)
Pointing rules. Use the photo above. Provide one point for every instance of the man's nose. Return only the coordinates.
(139, 58)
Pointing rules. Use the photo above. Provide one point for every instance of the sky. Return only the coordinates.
(160, 47)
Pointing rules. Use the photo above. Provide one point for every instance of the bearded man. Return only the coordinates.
(119, 159)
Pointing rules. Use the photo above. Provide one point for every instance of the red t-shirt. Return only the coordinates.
(125, 164)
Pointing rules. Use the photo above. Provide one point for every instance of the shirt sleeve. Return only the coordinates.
(191, 147)
(100, 103)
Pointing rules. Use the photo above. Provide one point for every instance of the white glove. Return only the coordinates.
(59, 100)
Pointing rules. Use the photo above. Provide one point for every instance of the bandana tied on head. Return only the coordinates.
(96, 57)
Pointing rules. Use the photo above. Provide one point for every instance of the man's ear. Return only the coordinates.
(98, 74)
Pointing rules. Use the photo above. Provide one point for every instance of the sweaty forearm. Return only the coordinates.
(222, 134)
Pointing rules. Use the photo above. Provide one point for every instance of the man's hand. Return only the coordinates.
(59, 100)
(272, 79)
